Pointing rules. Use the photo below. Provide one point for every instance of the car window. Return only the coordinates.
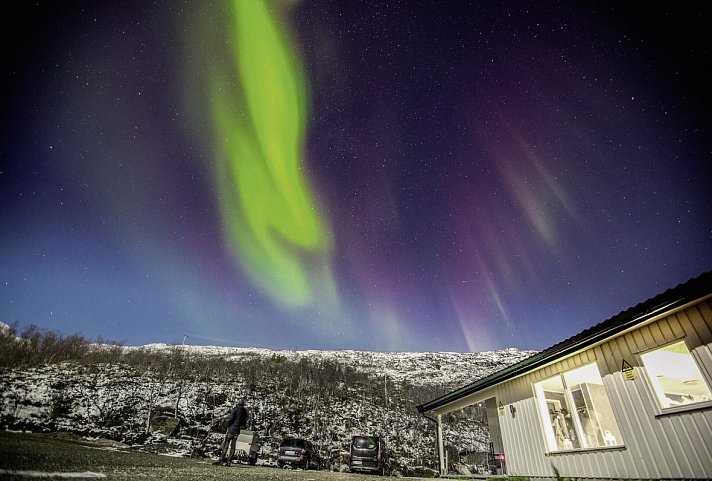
(365, 442)
(293, 443)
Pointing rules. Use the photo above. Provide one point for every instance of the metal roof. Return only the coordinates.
(672, 298)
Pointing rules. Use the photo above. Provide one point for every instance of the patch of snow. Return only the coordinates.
(45, 474)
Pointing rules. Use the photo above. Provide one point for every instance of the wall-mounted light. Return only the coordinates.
(513, 410)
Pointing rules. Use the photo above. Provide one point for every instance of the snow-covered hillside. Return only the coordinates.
(326, 396)
(417, 368)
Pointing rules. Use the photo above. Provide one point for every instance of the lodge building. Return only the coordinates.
(629, 398)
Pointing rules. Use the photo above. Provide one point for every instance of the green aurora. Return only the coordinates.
(270, 218)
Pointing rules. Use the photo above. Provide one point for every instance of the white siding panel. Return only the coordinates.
(660, 448)
(703, 357)
(617, 461)
(702, 425)
(626, 465)
(677, 329)
(676, 439)
(698, 424)
(703, 313)
(670, 446)
(702, 329)
(607, 359)
(630, 416)
(693, 338)
(533, 440)
(655, 445)
(584, 465)
(630, 425)
(690, 437)
(524, 445)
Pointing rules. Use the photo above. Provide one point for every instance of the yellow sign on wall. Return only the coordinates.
(627, 370)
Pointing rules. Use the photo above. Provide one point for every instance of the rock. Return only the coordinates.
(164, 425)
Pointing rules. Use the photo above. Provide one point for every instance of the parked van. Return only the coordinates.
(368, 454)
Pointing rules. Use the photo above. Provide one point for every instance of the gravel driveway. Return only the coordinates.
(25, 456)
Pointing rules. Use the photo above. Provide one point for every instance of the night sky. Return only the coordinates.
(381, 175)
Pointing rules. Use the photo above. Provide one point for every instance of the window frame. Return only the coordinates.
(655, 393)
(546, 424)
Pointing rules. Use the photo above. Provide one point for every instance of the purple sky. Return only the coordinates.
(491, 176)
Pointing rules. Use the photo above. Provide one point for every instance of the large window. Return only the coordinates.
(576, 411)
(676, 379)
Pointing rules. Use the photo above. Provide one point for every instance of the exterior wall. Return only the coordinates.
(493, 424)
(656, 445)
(674, 445)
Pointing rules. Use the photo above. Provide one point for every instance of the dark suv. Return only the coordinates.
(298, 453)
(368, 454)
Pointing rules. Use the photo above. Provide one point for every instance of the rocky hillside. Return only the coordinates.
(171, 398)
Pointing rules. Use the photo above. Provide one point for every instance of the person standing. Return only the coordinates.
(236, 421)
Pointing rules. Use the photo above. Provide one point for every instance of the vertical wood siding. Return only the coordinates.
(669, 446)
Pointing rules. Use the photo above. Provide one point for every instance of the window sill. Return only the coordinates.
(683, 409)
(618, 447)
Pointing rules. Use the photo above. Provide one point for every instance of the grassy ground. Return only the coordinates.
(26, 456)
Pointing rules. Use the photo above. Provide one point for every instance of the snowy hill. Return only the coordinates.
(326, 396)
(417, 368)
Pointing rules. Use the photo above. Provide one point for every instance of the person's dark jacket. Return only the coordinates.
(237, 419)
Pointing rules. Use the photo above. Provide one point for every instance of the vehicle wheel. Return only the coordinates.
(253, 460)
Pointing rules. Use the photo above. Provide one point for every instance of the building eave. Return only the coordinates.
(675, 298)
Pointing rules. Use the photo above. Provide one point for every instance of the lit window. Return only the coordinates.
(676, 378)
(576, 411)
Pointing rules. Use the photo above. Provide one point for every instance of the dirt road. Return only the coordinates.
(58, 456)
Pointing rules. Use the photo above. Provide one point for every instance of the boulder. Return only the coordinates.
(164, 425)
